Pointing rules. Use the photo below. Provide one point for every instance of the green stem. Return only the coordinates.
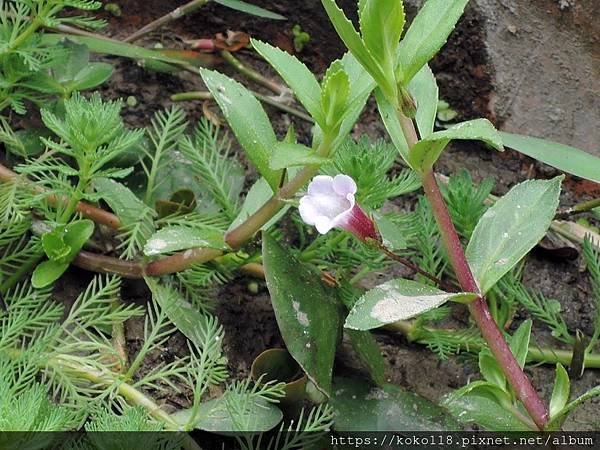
(32, 28)
(478, 308)
(579, 208)
(105, 378)
(74, 199)
(167, 18)
(205, 95)
(535, 354)
(253, 75)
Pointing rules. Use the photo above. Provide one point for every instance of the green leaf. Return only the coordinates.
(116, 48)
(392, 235)
(47, 272)
(55, 247)
(424, 90)
(307, 312)
(389, 116)
(560, 392)
(555, 422)
(247, 119)
(369, 353)
(124, 203)
(249, 8)
(426, 34)
(290, 155)
(61, 246)
(353, 41)
(77, 73)
(361, 85)
(77, 58)
(381, 24)
(174, 238)
(361, 407)
(184, 316)
(426, 152)
(510, 228)
(24, 143)
(94, 74)
(257, 196)
(478, 402)
(395, 300)
(76, 234)
(225, 415)
(519, 342)
(491, 370)
(296, 75)
(563, 157)
(336, 89)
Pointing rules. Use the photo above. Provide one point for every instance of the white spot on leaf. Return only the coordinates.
(300, 315)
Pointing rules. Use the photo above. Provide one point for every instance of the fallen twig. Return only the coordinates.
(167, 18)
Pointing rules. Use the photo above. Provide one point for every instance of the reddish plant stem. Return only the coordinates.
(478, 308)
(107, 264)
(180, 261)
(92, 212)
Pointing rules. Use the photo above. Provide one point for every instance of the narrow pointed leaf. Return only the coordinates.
(368, 351)
(247, 119)
(427, 34)
(395, 300)
(307, 312)
(424, 90)
(560, 392)
(381, 24)
(389, 117)
(336, 89)
(296, 75)
(249, 8)
(510, 229)
(426, 152)
(94, 74)
(519, 342)
(355, 44)
(563, 157)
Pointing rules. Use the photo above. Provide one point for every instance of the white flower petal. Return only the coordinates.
(321, 184)
(330, 205)
(323, 224)
(344, 185)
(329, 202)
(308, 210)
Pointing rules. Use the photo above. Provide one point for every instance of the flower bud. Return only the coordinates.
(329, 203)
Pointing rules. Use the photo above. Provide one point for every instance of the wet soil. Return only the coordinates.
(466, 80)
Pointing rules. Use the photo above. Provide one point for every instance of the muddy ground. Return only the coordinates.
(467, 81)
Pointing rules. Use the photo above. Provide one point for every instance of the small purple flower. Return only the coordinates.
(329, 203)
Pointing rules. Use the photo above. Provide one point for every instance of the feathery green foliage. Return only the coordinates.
(466, 201)
(211, 163)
